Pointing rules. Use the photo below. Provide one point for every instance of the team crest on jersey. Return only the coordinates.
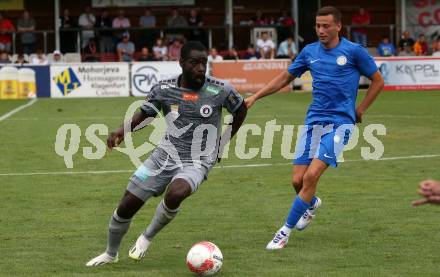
(206, 111)
(341, 60)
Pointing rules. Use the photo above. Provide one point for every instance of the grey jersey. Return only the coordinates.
(193, 117)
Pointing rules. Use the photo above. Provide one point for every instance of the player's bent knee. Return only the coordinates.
(297, 181)
(310, 179)
(178, 191)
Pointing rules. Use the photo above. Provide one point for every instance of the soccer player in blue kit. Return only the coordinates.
(335, 65)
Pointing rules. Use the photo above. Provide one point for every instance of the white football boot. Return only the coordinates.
(139, 249)
(279, 241)
(102, 259)
(307, 217)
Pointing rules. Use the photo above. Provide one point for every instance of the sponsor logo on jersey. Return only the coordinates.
(67, 81)
(206, 111)
(341, 60)
(190, 97)
(212, 89)
(174, 110)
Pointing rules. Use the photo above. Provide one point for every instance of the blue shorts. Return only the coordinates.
(321, 141)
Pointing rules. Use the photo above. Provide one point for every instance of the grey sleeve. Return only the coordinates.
(152, 104)
(233, 99)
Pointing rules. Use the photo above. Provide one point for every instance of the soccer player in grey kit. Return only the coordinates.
(192, 104)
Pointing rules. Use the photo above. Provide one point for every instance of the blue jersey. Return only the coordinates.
(336, 74)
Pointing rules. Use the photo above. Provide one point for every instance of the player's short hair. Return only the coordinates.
(330, 10)
(191, 45)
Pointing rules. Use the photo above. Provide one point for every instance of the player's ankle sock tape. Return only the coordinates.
(299, 207)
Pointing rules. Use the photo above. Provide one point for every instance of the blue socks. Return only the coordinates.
(299, 207)
(314, 199)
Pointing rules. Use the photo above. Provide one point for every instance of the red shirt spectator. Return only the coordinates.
(5, 39)
(362, 17)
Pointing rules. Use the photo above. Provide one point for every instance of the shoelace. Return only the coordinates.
(279, 236)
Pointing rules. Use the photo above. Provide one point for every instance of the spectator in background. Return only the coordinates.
(26, 25)
(121, 22)
(405, 40)
(6, 27)
(145, 55)
(359, 20)
(90, 52)
(148, 21)
(57, 57)
(176, 20)
(21, 59)
(87, 21)
(160, 51)
(67, 38)
(385, 48)
(287, 49)
(125, 48)
(232, 54)
(196, 20)
(4, 57)
(259, 19)
(286, 20)
(214, 56)
(106, 39)
(39, 58)
(174, 50)
(251, 53)
(266, 46)
(421, 47)
(407, 51)
(436, 48)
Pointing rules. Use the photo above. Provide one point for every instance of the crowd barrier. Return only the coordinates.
(125, 79)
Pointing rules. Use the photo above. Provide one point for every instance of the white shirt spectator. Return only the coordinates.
(160, 52)
(87, 21)
(436, 54)
(40, 60)
(267, 45)
(215, 59)
(121, 23)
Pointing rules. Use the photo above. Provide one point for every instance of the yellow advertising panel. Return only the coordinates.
(11, 5)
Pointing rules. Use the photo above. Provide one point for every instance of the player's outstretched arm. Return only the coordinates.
(275, 85)
(376, 86)
(137, 122)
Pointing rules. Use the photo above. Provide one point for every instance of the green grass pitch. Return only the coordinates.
(51, 225)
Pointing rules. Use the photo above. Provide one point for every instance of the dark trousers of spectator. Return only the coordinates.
(107, 44)
(28, 48)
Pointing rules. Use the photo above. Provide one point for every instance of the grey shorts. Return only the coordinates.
(157, 172)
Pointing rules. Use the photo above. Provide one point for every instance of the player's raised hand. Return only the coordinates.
(115, 138)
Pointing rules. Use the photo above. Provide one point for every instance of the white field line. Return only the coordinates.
(217, 167)
(16, 110)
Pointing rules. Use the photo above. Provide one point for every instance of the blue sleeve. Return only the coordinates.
(299, 65)
(379, 50)
(364, 62)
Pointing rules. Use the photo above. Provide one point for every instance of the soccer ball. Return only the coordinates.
(204, 258)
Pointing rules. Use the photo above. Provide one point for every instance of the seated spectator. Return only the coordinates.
(214, 56)
(436, 48)
(4, 57)
(6, 27)
(385, 48)
(251, 53)
(358, 21)
(405, 39)
(407, 51)
(266, 46)
(259, 19)
(174, 50)
(106, 39)
(91, 51)
(21, 59)
(287, 49)
(421, 47)
(232, 54)
(40, 58)
(148, 20)
(87, 21)
(160, 51)
(57, 57)
(26, 26)
(145, 55)
(125, 49)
